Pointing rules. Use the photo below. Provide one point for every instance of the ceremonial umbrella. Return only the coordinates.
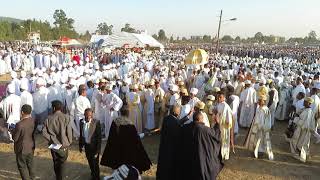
(197, 57)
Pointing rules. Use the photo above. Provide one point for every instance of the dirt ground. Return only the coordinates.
(242, 165)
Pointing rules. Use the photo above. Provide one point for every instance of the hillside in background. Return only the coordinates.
(9, 19)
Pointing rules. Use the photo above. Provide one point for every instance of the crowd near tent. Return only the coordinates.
(131, 40)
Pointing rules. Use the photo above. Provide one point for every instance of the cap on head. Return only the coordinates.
(23, 74)
(13, 74)
(24, 86)
(194, 91)
(211, 98)
(248, 82)
(200, 105)
(309, 100)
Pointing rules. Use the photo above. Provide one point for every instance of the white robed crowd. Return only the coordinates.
(242, 92)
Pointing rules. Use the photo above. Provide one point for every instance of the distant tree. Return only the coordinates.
(171, 39)
(162, 35)
(178, 38)
(184, 39)
(227, 38)
(238, 39)
(61, 20)
(127, 28)
(296, 40)
(258, 37)
(206, 38)
(104, 29)
(86, 36)
(312, 35)
(63, 25)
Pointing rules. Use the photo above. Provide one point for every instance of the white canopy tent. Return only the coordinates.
(132, 40)
(96, 38)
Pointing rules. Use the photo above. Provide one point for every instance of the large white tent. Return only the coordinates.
(132, 40)
(96, 38)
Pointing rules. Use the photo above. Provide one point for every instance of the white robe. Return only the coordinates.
(97, 106)
(149, 109)
(225, 117)
(273, 106)
(79, 105)
(133, 100)
(234, 107)
(193, 102)
(26, 98)
(7, 60)
(259, 133)
(301, 137)
(295, 92)
(185, 110)
(283, 105)
(46, 61)
(248, 100)
(199, 81)
(3, 69)
(110, 101)
(39, 61)
(11, 108)
(16, 82)
(40, 100)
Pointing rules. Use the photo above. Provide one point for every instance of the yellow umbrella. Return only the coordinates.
(197, 57)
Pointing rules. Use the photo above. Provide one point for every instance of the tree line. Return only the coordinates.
(64, 26)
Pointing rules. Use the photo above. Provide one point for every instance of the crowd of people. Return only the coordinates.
(198, 109)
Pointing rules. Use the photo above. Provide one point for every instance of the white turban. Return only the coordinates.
(24, 85)
(23, 74)
(13, 74)
(194, 91)
(41, 82)
(11, 88)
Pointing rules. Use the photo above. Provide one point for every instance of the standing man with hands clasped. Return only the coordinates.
(90, 140)
(24, 144)
(58, 132)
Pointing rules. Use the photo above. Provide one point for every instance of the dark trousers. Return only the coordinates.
(93, 163)
(59, 157)
(25, 166)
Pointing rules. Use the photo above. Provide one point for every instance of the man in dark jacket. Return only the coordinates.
(168, 149)
(58, 132)
(90, 140)
(199, 150)
(24, 145)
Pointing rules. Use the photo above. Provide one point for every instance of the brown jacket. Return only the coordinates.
(57, 129)
(23, 136)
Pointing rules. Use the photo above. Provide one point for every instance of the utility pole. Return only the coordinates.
(218, 38)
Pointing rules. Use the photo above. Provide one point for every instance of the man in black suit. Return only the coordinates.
(24, 145)
(90, 140)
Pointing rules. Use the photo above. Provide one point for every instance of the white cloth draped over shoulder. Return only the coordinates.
(225, 120)
(248, 99)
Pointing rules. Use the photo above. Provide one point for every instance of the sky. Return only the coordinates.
(289, 18)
